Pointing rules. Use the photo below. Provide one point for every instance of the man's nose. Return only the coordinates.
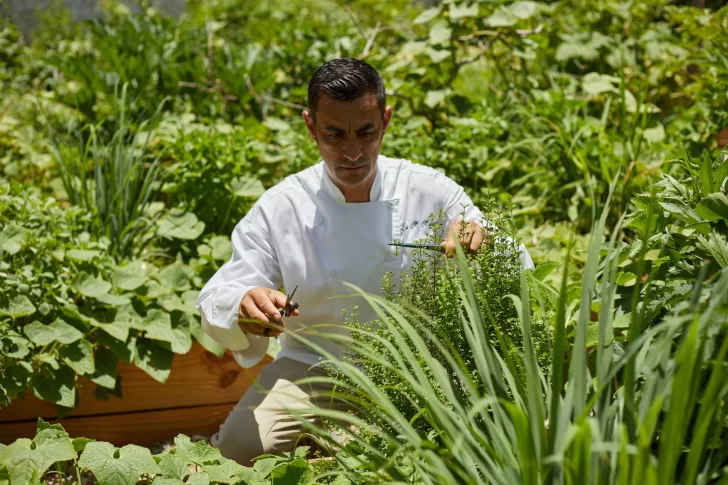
(352, 149)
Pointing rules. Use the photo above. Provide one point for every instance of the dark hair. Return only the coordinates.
(345, 79)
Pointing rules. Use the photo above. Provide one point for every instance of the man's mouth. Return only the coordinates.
(352, 169)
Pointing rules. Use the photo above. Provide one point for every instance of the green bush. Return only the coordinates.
(69, 308)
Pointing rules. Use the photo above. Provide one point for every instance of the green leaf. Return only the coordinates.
(82, 255)
(180, 225)
(437, 55)
(276, 124)
(655, 134)
(222, 248)
(434, 98)
(18, 306)
(159, 327)
(12, 238)
(544, 269)
(174, 277)
(503, 17)
(79, 356)
(59, 331)
(27, 460)
(13, 345)
(265, 466)
(427, 15)
(714, 207)
(114, 300)
(131, 276)
(198, 452)
(198, 478)
(440, 33)
(225, 473)
(247, 187)
(90, 286)
(293, 473)
(153, 359)
(173, 466)
(79, 444)
(119, 328)
(626, 279)
(462, 11)
(106, 363)
(125, 469)
(55, 386)
(594, 83)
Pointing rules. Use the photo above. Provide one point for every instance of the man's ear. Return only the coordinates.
(310, 124)
(385, 119)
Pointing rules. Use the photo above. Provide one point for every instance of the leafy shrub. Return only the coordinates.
(218, 172)
(68, 308)
(649, 413)
(53, 453)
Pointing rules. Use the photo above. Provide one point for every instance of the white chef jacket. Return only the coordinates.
(303, 232)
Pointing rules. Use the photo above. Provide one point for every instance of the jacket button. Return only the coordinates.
(390, 205)
(390, 257)
(332, 273)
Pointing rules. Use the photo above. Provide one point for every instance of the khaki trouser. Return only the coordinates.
(259, 423)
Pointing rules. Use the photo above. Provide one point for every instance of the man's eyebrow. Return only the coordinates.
(333, 128)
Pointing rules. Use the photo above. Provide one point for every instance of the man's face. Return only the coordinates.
(349, 137)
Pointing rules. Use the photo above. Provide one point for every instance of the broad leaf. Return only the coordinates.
(12, 238)
(79, 356)
(427, 15)
(198, 452)
(90, 286)
(18, 306)
(247, 187)
(27, 460)
(225, 473)
(125, 469)
(130, 277)
(82, 255)
(461, 11)
(174, 277)
(59, 331)
(153, 359)
(180, 225)
(106, 363)
(222, 248)
(173, 466)
(440, 33)
(293, 473)
(55, 385)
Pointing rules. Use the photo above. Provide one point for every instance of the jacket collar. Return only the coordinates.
(330, 189)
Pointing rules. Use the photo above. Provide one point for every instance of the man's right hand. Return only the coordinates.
(262, 305)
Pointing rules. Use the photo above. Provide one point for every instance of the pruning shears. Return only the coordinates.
(431, 247)
(290, 305)
(287, 309)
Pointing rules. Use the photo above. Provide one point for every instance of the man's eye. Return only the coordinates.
(367, 133)
(335, 135)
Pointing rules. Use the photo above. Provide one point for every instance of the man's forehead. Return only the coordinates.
(364, 106)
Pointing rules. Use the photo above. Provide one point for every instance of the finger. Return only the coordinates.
(269, 304)
(255, 328)
(449, 243)
(476, 241)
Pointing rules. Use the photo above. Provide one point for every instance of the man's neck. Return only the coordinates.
(362, 193)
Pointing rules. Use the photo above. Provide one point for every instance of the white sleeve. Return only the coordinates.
(253, 263)
(453, 207)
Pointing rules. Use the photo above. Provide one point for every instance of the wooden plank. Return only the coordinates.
(197, 378)
(143, 428)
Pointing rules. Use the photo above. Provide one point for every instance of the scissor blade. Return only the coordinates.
(290, 297)
(433, 247)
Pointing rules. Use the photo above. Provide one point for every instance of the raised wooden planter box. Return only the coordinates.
(200, 392)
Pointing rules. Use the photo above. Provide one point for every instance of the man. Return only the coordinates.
(326, 225)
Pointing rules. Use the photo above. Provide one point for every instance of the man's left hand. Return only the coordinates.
(470, 236)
